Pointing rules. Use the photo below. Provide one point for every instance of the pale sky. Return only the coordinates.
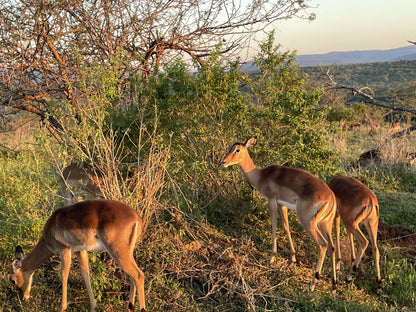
(345, 25)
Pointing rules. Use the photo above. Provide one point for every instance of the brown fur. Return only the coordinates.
(356, 203)
(86, 177)
(87, 226)
(284, 188)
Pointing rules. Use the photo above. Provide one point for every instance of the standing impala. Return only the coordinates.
(86, 226)
(285, 187)
(85, 177)
(356, 203)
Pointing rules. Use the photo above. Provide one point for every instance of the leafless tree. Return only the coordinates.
(44, 44)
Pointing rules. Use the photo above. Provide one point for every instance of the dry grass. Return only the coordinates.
(353, 142)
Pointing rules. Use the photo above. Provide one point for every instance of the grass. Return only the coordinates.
(217, 262)
(398, 209)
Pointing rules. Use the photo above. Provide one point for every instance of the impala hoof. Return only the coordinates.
(348, 279)
(379, 283)
(334, 285)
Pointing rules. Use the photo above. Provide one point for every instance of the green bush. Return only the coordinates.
(161, 141)
(28, 193)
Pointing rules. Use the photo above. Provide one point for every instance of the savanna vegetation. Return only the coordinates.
(160, 136)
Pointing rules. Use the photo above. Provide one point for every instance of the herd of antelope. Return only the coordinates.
(102, 224)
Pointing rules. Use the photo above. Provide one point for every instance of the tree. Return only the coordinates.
(290, 121)
(44, 45)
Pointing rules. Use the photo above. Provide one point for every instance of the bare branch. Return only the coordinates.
(367, 98)
(46, 45)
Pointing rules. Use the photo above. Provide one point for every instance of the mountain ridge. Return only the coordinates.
(350, 57)
(358, 56)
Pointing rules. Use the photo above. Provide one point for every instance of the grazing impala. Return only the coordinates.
(356, 203)
(86, 226)
(284, 188)
(85, 177)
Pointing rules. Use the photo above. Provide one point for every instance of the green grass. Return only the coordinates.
(230, 272)
(398, 209)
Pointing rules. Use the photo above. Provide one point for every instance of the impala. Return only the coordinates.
(395, 126)
(86, 226)
(284, 188)
(85, 177)
(356, 203)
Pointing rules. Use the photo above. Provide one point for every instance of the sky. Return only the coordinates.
(346, 25)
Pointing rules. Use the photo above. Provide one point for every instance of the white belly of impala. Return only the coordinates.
(96, 246)
(290, 206)
(89, 242)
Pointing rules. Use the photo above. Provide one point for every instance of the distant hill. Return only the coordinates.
(358, 57)
(349, 57)
(379, 75)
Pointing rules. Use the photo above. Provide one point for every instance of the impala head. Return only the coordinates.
(237, 152)
(22, 280)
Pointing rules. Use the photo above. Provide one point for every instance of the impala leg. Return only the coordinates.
(362, 245)
(372, 226)
(285, 222)
(67, 194)
(132, 292)
(65, 266)
(83, 264)
(140, 289)
(322, 244)
(326, 230)
(124, 258)
(273, 217)
(338, 245)
(352, 248)
(136, 281)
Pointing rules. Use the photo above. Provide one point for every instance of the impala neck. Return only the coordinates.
(250, 170)
(36, 257)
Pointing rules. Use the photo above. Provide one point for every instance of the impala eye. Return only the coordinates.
(237, 150)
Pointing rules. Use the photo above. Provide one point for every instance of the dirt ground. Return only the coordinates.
(397, 237)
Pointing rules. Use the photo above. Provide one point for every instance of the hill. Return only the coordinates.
(376, 74)
(356, 57)
(407, 53)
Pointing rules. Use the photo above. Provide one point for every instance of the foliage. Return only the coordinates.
(373, 75)
(27, 194)
(142, 34)
(389, 82)
(290, 121)
(202, 113)
(109, 132)
(207, 243)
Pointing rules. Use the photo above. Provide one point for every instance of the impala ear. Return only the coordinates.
(16, 265)
(250, 142)
(18, 253)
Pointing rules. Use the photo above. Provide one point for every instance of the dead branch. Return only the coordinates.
(368, 95)
(368, 98)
